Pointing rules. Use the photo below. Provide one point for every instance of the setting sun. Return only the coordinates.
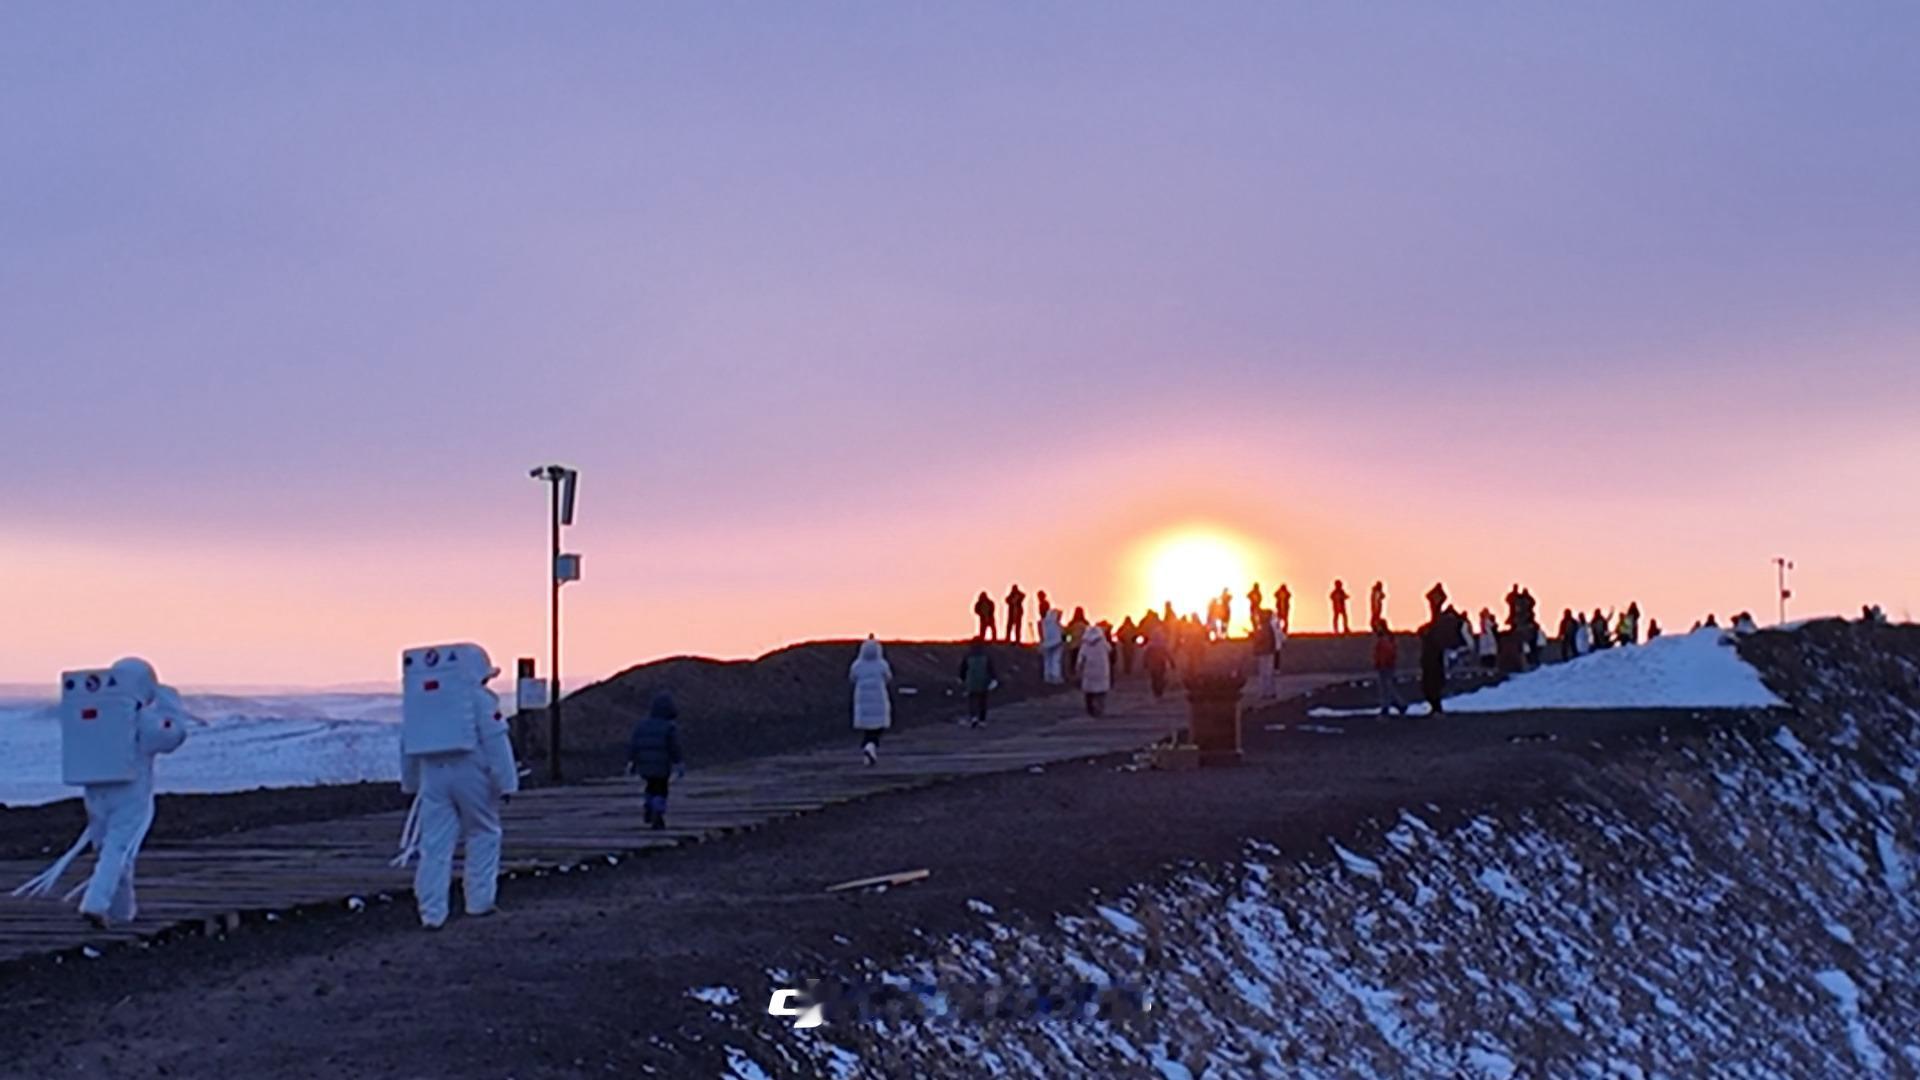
(1191, 566)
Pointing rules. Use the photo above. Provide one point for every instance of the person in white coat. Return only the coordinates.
(119, 814)
(1053, 648)
(1096, 669)
(458, 797)
(871, 676)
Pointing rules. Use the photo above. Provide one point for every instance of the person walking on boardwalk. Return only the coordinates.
(1338, 597)
(459, 762)
(872, 678)
(1096, 670)
(113, 766)
(1283, 606)
(1376, 602)
(1053, 647)
(1016, 614)
(1158, 659)
(653, 753)
(984, 610)
(1386, 665)
(978, 678)
(1128, 641)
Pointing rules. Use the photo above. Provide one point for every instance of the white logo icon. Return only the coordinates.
(810, 1017)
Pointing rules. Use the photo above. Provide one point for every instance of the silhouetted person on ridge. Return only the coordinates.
(1386, 662)
(1569, 634)
(1283, 606)
(1016, 613)
(1339, 598)
(1046, 605)
(1597, 626)
(1629, 626)
(1254, 599)
(1377, 602)
(1653, 629)
(1226, 612)
(984, 608)
(1076, 634)
(1436, 637)
(1436, 599)
(1129, 639)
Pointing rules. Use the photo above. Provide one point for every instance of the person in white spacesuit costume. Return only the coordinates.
(111, 757)
(457, 759)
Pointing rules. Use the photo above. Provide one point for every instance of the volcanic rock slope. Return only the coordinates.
(1741, 904)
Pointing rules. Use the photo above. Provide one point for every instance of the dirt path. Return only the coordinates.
(588, 975)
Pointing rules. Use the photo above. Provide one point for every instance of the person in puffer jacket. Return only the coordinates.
(653, 754)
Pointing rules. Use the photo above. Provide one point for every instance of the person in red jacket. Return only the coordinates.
(1386, 665)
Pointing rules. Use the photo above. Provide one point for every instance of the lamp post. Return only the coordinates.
(1781, 565)
(560, 570)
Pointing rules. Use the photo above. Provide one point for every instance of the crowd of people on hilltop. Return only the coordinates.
(1075, 648)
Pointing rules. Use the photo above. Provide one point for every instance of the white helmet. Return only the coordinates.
(137, 677)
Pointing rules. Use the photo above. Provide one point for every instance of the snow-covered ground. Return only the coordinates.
(1701, 670)
(237, 743)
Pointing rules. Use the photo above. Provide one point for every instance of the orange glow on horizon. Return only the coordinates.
(1189, 565)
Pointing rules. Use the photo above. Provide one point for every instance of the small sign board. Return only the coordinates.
(566, 568)
(530, 694)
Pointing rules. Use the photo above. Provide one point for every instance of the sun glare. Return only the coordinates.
(1191, 566)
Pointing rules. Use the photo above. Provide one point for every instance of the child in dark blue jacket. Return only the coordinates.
(653, 754)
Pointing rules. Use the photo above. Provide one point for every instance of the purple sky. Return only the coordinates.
(847, 311)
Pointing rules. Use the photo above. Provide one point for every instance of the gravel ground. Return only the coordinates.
(587, 974)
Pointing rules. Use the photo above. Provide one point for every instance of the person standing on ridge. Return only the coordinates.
(1338, 597)
(1630, 624)
(1436, 638)
(1377, 602)
(1016, 613)
(1254, 600)
(984, 610)
(1076, 633)
(653, 754)
(1046, 605)
(1053, 647)
(1489, 643)
(1436, 599)
(1386, 664)
(1096, 671)
(978, 678)
(1569, 635)
(1283, 606)
(871, 677)
(1260, 645)
(1602, 637)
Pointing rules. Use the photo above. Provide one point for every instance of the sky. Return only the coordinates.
(848, 311)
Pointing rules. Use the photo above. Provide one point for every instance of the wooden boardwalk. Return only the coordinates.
(213, 884)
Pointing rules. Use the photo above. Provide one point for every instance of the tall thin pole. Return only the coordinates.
(553, 583)
(1781, 565)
